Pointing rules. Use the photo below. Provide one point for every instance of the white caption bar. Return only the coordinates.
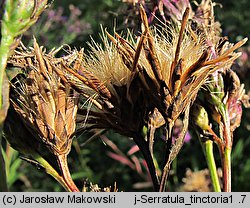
(124, 199)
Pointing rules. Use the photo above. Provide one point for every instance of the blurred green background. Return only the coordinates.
(73, 22)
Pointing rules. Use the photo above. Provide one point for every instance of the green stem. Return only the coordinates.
(226, 156)
(3, 179)
(18, 17)
(227, 170)
(208, 149)
(51, 171)
(5, 48)
(63, 165)
(6, 42)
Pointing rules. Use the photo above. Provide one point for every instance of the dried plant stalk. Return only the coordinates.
(127, 81)
(127, 85)
(217, 93)
(46, 104)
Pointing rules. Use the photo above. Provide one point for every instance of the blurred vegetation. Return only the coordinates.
(73, 22)
(64, 23)
(234, 17)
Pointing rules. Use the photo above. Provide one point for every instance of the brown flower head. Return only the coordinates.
(46, 104)
(128, 79)
(147, 82)
(106, 82)
(47, 107)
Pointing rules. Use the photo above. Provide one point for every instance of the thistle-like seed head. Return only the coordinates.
(46, 104)
(163, 69)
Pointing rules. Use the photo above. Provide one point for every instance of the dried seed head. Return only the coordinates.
(107, 64)
(46, 105)
(184, 65)
(164, 69)
(112, 88)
